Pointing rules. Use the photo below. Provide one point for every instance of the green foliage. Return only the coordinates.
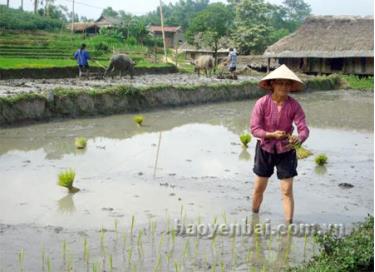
(178, 14)
(17, 19)
(101, 46)
(358, 83)
(321, 159)
(354, 252)
(66, 179)
(214, 22)
(253, 27)
(245, 139)
(138, 119)
(80, 142)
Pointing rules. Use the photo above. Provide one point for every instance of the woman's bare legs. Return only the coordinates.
(286, 186)
(260, 186)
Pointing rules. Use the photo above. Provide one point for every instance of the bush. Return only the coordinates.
(131, 41)
(354, 252)
(358, 83)
(17, 19)
(101, 46)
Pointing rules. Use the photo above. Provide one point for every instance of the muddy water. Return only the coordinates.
(186, 159)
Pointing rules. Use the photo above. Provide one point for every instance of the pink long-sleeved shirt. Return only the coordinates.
(265, 117)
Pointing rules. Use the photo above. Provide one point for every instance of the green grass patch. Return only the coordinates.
(354, 252)
(358, 83)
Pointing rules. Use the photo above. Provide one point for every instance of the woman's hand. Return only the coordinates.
(278, 135)
(293, 139)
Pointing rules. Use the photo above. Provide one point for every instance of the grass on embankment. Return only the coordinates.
(21, 63)
(357, 83)
(354, 252)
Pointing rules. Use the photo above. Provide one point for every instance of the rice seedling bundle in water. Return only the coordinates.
(321, 159)
(138, 119)
(245, 139)
(80, 142)
(66, 179)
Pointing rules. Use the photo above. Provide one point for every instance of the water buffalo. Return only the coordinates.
(120, 63)
(206, 63)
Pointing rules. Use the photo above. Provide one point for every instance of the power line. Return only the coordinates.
(83, 4)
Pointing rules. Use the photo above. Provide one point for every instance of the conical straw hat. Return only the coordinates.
(283, 72)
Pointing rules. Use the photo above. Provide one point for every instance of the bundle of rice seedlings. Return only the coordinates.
(245, 139)
(66, 179)
(80, 142)
(138, 119)
(321, 159)
(302, 153)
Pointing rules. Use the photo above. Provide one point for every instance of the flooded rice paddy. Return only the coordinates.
(183, 163)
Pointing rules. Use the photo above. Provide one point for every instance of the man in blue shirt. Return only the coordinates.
(82, 57)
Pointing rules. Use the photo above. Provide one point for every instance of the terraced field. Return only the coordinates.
(40, 49)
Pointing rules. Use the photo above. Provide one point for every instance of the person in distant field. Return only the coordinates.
(82, 57)
(232, 62)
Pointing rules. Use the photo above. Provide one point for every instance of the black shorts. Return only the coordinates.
(265, 162)
(86, 66)
(232, 69)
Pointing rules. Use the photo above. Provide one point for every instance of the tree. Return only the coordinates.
(179, 14)
(109, 12)
(297, 10)
(213, 22)
(252, 26)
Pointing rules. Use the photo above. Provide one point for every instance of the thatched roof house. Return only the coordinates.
(328, 44)
(84, 27)
(108, 22)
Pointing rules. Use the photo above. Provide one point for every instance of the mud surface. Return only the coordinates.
(14, 86)
(184, 162)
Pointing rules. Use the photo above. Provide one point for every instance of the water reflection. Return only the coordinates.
(66, 204)
(320, 170)
(244, 155)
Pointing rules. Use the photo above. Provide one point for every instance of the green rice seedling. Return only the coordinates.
(86, 251)
(303, 153)
(102, 242)
(64, 251)
(140, 243)
(21, 258)
(49, 264)
(130, 254)
(245, 139)
(132, 227)
(186, 251)
(158, 264)
(124, 240)
(80, 142)
(43, 257)
(116, 229)
(321, 159)
(110, 262)
(66, 179)
(177, 266)
(222, 266)
(138, 119)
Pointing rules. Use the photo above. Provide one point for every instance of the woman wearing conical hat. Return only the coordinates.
(271, 122)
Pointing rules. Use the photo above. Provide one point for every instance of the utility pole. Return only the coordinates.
(35, 6)
(162, 31)
(7, 3)
(21, 4)
(73, 18)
